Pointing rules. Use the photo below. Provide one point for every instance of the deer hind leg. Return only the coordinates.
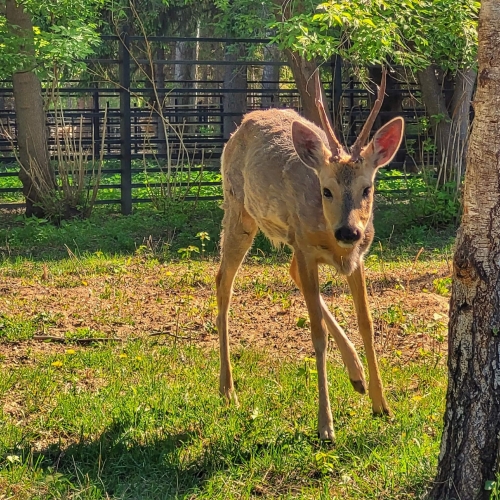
(347, 350)
(375, 389)
(239, 230)
(306, 275)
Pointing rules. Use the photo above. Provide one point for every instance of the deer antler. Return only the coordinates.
(365, 132)
(335, 146)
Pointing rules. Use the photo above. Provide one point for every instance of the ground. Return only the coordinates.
(137, 297)
(109, 367)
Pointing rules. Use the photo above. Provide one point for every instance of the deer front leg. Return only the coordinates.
(308, 274)
(375, 389)
(238, 234)
(347, 350)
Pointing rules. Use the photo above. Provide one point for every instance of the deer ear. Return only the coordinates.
(308, 146)
(385, 143)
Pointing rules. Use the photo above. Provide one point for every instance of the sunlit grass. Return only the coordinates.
(141, 417)
(145, 421)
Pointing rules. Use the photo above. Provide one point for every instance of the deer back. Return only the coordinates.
(262, 170)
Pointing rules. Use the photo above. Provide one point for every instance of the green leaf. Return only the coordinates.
(301, 322)
(489, 485)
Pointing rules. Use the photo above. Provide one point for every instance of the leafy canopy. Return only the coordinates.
(64, 31)
(413, 33)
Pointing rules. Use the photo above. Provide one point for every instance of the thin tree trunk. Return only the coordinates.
(470, 446)
(235, 78)
(393, 100)
(184, 74)
(391, 106)
(450, 126)
(36, 173)
(303, 72)
(270, 77)
(160, 105)
(435, 104)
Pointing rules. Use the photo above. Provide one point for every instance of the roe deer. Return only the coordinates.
(294, 181)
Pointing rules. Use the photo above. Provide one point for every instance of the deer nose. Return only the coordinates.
(347, 234)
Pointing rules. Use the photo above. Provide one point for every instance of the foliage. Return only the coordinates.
(243, 18)
(64, 31)
(415, 203)
(413, 33)
(156, 17)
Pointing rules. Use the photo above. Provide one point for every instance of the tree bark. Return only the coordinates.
(470, 446)
(184, 75)
(235, 78)
(270, 77)
(450, 125)
(36, 173)
(303, 72)
(460, 111)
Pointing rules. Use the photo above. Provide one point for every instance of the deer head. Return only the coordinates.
(347, 178)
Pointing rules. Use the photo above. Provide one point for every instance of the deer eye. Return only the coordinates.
(366, 192)
(327, 193)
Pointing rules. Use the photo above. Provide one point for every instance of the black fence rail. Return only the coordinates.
(160, 122)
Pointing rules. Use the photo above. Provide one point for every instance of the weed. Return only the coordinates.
(203, 236)
(441, 285)
(394, 315)
(186, 253)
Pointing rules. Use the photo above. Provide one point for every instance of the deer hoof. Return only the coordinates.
(382, 411)
(230, 396)
(359, 386)
(326, 433)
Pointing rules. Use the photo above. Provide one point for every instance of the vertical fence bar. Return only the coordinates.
(125, 124)
(96, 134)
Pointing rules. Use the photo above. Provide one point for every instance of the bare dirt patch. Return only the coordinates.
(178, 301)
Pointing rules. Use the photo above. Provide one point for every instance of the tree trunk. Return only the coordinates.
(470, 446)
(270, 77)
(450, 126)
(235, 78)
(36, 173)
(391, 106)
(184, 75)
(460, 106)
(393, 100)
(303, 72)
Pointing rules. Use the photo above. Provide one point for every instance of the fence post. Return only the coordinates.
(95, 121)
(125, 124)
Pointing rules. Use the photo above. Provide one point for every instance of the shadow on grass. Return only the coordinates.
(116, 465)
(181, 465)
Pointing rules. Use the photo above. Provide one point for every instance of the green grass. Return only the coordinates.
(110, 233)
(184, 182)
(144, 420)
(164, 233)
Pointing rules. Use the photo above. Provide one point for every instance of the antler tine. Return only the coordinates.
(365, 131)
(335, 145)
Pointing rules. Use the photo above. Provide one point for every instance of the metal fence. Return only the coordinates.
(150, 123)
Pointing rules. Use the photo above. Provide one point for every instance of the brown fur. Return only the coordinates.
(275, 169)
